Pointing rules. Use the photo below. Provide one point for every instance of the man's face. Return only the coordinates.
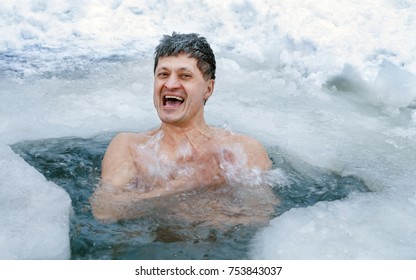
(180, 90)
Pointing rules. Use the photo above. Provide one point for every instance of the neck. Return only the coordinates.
(179, 135)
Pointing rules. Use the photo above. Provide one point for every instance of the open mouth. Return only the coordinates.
(172, 101)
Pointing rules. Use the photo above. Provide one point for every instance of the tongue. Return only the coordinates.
(172, 103)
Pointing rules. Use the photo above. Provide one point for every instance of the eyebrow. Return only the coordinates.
(180, 69)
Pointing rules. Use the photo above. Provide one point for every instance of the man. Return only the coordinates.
(190, 169)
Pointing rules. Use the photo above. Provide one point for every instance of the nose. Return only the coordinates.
(172, 82)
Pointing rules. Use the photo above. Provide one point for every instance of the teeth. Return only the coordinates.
(174, 97)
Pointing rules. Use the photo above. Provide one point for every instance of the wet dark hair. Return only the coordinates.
(193, 44)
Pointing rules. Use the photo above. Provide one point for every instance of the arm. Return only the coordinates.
(265, 200)
(257, 156)
(117, 196)
(118, 169)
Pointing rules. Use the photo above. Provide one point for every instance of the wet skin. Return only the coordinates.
(143, 172)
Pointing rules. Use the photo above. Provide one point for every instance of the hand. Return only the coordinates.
(209, 165)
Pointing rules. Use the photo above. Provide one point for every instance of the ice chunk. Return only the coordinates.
(394, 86)
(34, 212)
(370, 226)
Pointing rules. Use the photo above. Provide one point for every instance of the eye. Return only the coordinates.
(163, 74)
(185, 76)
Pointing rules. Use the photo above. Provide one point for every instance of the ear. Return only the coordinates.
(210, 89)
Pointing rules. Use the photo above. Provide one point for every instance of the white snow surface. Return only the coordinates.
(330, 82)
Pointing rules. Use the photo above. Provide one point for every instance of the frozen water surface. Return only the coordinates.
(328, 87)
(74, 164)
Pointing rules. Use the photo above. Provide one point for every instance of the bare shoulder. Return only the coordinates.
(256, 152)
(257, 156)
(123, 141)
(118, 165)
(125, 138)
(121, 146)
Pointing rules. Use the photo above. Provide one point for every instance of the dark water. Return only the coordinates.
(75, 163)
